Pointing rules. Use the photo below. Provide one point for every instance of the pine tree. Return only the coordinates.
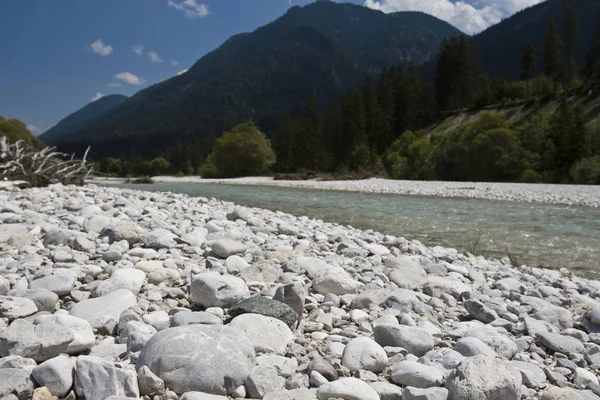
(572, 32)
(592, 69)
(333, 135)
(553, 54)
(309, 140)
(353, 126)
(529, 64)
(284, 144)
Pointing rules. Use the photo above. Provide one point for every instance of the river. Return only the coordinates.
(537, 234)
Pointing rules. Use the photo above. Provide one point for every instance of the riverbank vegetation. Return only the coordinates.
(464, 125)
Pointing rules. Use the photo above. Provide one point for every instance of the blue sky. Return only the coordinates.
(58, 55)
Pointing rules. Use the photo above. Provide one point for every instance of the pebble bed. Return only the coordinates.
(116, 294)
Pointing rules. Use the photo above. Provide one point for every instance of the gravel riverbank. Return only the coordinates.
(111, 293)
(522, 192)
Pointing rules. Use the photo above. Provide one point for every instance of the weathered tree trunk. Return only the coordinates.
(41, 168)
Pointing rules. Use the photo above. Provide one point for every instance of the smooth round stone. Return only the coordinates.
(267, 307)
(268, 335)
(228, 247)
(56, 374)
(347, 389)
(103, 312)
(83, 335)
(364, 353)
(410, 373)
(211, 289)
(335, 280)
(263, 379)
(195, 318)
(560, 343)
(484, 377)
(203, 358)
(417, 341)
(444, 359)
(471, 346)
(16, 307)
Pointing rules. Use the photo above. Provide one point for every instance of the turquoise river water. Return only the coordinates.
(538, 234)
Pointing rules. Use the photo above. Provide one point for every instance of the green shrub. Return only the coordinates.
(587, 171)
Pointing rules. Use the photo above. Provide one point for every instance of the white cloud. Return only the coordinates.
(32, 128)
(137, 49)
(97, 96)
(154, 57)
(174, 63)
(191, 8)
(181, 72)
(129, 78)
(114, 84)
(470, 18)
(99, 47)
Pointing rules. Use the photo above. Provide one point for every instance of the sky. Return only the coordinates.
(58, 55)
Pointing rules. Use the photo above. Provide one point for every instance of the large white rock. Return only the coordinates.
(98, 379)
(16, 307)
(411, 373)
(268, 335)
(83, 335)
(15, 383)
(61, 284)
(416, 340)
(347, 389)
(56, 374)
(14, 235)
(124, 278)
(335, 280)
(97, 223)
(483, 377)
(364, 353)
(204, 358)
(406, 272)
(103, 312)
(40, 342)
(228, 247)
(211, 289)
(263, 379)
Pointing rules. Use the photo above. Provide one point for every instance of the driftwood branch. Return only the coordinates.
(41, 168)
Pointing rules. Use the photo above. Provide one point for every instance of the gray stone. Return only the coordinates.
(201, 396)
(96, 223)
(268, 335)
(16, 307)
(267, 307)
(584, 379)
(56, 374)
(61, 284)
(387, 391)
(293, 295)
(40, 342)
(347, 389)
(55, 237)
(294, 394)
(15, 235)
(262, 380)
(434, 393)
(444, 359)
(480, 311)
(560, 343)
(83, 335)
(471, 346)
(44, 300)
(556, 393)
(97, 379)
(150, 384)
(483, 377)
(283, 365)
(206, 358)
(500, 343)
(322, 367)
(411, 373)
(591, 319)
(363, 353)
(335, 280)
(136, 335)
(103, 312)
(406, 272)
(83, 244)
(533, 376)
(126, 278)
(195, 318)
(123, 230)
(210, 289)
(16, 382)
(158, 239)
(228, 247)
(17, 362)
(417, 341)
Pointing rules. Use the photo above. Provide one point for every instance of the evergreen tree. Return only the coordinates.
(333, 136)
(592, 68)
(572, 32)
(456, 73)
(353, 126)
(529, 64)
(309, 140)
(553, 54)
(284, 144)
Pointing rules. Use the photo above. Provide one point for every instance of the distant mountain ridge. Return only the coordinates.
(324, 47)
(82, 117)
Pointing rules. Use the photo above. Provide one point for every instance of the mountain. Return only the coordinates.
(500, 47)
(82, 117)
(324, 47)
